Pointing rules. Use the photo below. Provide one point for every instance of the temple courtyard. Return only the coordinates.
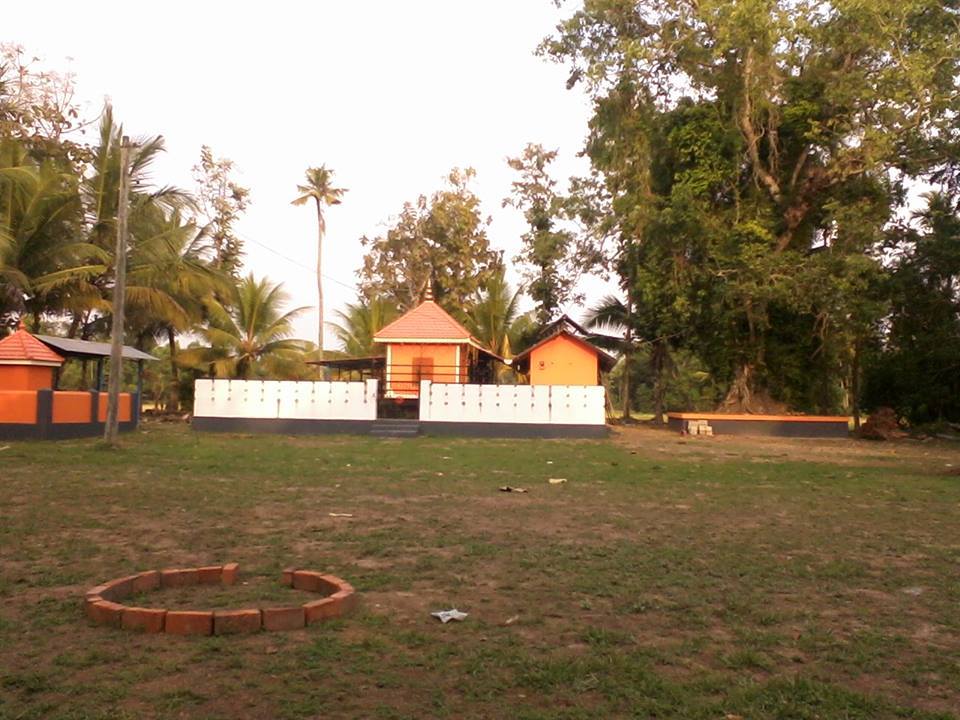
(719, 578)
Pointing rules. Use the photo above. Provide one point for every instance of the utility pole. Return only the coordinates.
(112, 429)
(628, 335)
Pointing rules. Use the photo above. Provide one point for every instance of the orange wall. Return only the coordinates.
(71, 407)
(18, 406)
(561, 361)
(26, 377)
(401, 368)
(124, 414)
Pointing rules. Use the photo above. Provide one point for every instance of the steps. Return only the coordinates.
(395, 428)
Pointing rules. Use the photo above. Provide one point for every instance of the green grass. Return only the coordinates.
(665, 579)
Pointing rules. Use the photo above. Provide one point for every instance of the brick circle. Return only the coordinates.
(102, 603)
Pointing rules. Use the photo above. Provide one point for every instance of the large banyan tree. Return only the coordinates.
(752, 153)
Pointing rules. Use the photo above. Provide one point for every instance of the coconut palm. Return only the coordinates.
(251, 330)
(359, 322)
(42, 251)
(609, 321)
(101, 186)
(99, 190)
(494, 313)
(319, 188)
(168, 280)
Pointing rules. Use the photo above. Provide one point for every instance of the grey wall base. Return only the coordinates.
(512, 430)
(772, 428)
(57, 431)
(281, 426)
(363, 427)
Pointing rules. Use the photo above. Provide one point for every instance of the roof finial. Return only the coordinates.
(21, 325)
(428, 292)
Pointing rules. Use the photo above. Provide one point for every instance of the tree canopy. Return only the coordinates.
(753, 155)
(440, 241)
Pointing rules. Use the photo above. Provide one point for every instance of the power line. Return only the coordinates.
(310, 270)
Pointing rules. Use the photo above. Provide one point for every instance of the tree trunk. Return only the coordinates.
(173, 395)
(319, 281)
(111, 430)
(658, 361)
(627, 357)
(855, 385)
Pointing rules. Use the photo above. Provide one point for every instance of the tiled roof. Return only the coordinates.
(607, 361)
(427, 321)
(24, 346)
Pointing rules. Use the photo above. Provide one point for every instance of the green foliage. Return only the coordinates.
(320, 189)
(359, 322)
(221, 200)
(753, 152)
(495, 319)
(249, 334)
(42, 250)
(58, 207)
(916, 370)
(441, 240)
(548, 273)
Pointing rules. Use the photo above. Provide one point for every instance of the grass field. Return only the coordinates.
(716, 578)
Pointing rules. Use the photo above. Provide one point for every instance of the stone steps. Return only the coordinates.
(395, 428)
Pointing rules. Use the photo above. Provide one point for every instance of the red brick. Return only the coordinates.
(118, 589)
(283, 618)
(236, 621)
(88, 600)
(96, 592)
(286, 577)
(308, 580)
(347, 600)
(188, 622)
(148, 620)
(330, 584)
(179, 577)
(105, 612)
(146, 581)
(210, 575)
(319, 610)
(229, 576)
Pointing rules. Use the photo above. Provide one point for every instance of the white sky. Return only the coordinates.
(390, 95)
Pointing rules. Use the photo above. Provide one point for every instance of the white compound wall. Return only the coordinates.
(285, 399)
(523, 404)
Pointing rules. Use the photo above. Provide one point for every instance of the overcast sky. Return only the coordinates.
(390, 95)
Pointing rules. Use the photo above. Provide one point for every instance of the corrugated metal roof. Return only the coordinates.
(69, 346)
(21, 345)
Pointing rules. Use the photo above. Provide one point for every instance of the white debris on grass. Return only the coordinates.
(446, 616)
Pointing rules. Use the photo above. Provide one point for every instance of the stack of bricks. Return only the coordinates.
(699, 427)
(102, 603)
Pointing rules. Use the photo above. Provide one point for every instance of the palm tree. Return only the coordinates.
(169, 278)
(493, 314)
(319, 188)
(611, 317)
(359, 322)
(252, 330)
(44, 262)
(99, 190)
